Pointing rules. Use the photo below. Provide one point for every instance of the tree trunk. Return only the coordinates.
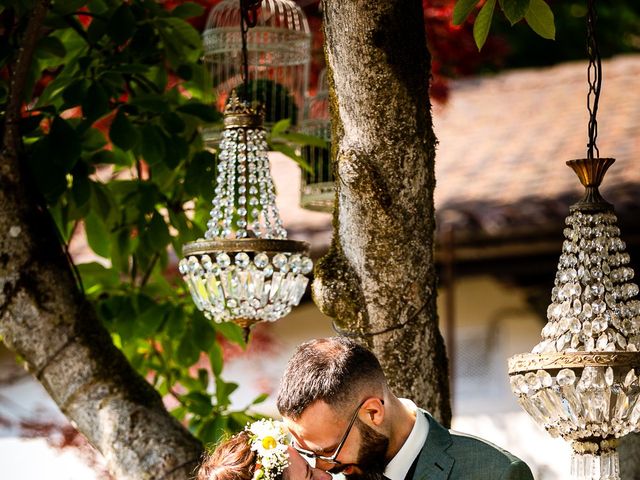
(47, 321)
(378, 280)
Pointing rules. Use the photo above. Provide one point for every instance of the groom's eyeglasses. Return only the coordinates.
(332, 458)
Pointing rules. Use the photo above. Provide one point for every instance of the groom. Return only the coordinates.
(337, 405)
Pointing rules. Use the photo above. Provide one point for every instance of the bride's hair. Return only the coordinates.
(232, 459)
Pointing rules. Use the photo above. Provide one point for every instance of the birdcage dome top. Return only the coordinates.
(279, 22)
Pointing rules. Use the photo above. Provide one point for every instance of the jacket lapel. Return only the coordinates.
(434, 463)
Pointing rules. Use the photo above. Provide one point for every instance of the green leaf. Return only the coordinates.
(93, 274)
(176, 150)
(291, 153)
(105, 157)
(101, 201)
(198, 180)
(75, 92)
(93, 140)
(96, 102)
(232, 332)
(120, 250)
(213, 429)
(199, 403)
(540, 19)
(65, 7)
(51, 46)
(303, 139)
(65, 144)
(81, 190)
(150, 320)
(173, 123)
(152, 144)
(204, 112)
(204, 333)
(223, 390)
(50, 180)
(483, 23)
(97, 235)
(121, 25)
(216, 358)
(260, 398)
(281, 126)
(97, 29)
(188, 10)
(462, 10)
(151, 102)
(514, 10)
(159, 236)
(182, 42)
(122, 132)
(187, 353)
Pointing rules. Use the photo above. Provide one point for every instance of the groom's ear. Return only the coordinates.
(374, 411)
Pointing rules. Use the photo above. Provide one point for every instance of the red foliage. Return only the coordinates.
(453, 50)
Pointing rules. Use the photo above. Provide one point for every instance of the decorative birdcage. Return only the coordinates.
(317, 192)
(278, 53)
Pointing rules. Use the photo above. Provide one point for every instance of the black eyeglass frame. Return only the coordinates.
(332, 458)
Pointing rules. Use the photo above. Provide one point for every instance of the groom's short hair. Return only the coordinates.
(336, 370)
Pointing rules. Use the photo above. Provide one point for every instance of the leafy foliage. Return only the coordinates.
(111, 127)
(536, 13)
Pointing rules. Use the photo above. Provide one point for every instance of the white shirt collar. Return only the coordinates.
(399, 465)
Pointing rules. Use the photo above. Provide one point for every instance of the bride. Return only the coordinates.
(260, 452)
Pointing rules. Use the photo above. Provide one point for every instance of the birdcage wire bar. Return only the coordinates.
(317, 188)
(279, 55)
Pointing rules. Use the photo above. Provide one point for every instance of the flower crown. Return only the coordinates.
(268, 438)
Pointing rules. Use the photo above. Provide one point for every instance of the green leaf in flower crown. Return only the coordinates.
(122, 132)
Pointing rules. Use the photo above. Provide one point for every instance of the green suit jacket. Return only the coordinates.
(449, 455)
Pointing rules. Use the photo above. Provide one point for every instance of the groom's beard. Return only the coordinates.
(372, 454)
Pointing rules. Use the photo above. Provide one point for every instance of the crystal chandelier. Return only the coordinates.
(245, 270)
(580, 382)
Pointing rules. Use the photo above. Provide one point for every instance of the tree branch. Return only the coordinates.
(49, 323)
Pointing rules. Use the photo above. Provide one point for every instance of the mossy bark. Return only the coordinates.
(47, 321)
(378, 280)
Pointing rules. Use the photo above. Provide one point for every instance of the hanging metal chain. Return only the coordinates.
(594, 78)
(248, 19)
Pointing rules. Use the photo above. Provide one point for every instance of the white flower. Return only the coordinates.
(269, 440)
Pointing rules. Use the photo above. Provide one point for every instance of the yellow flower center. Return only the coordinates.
(269, 442)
